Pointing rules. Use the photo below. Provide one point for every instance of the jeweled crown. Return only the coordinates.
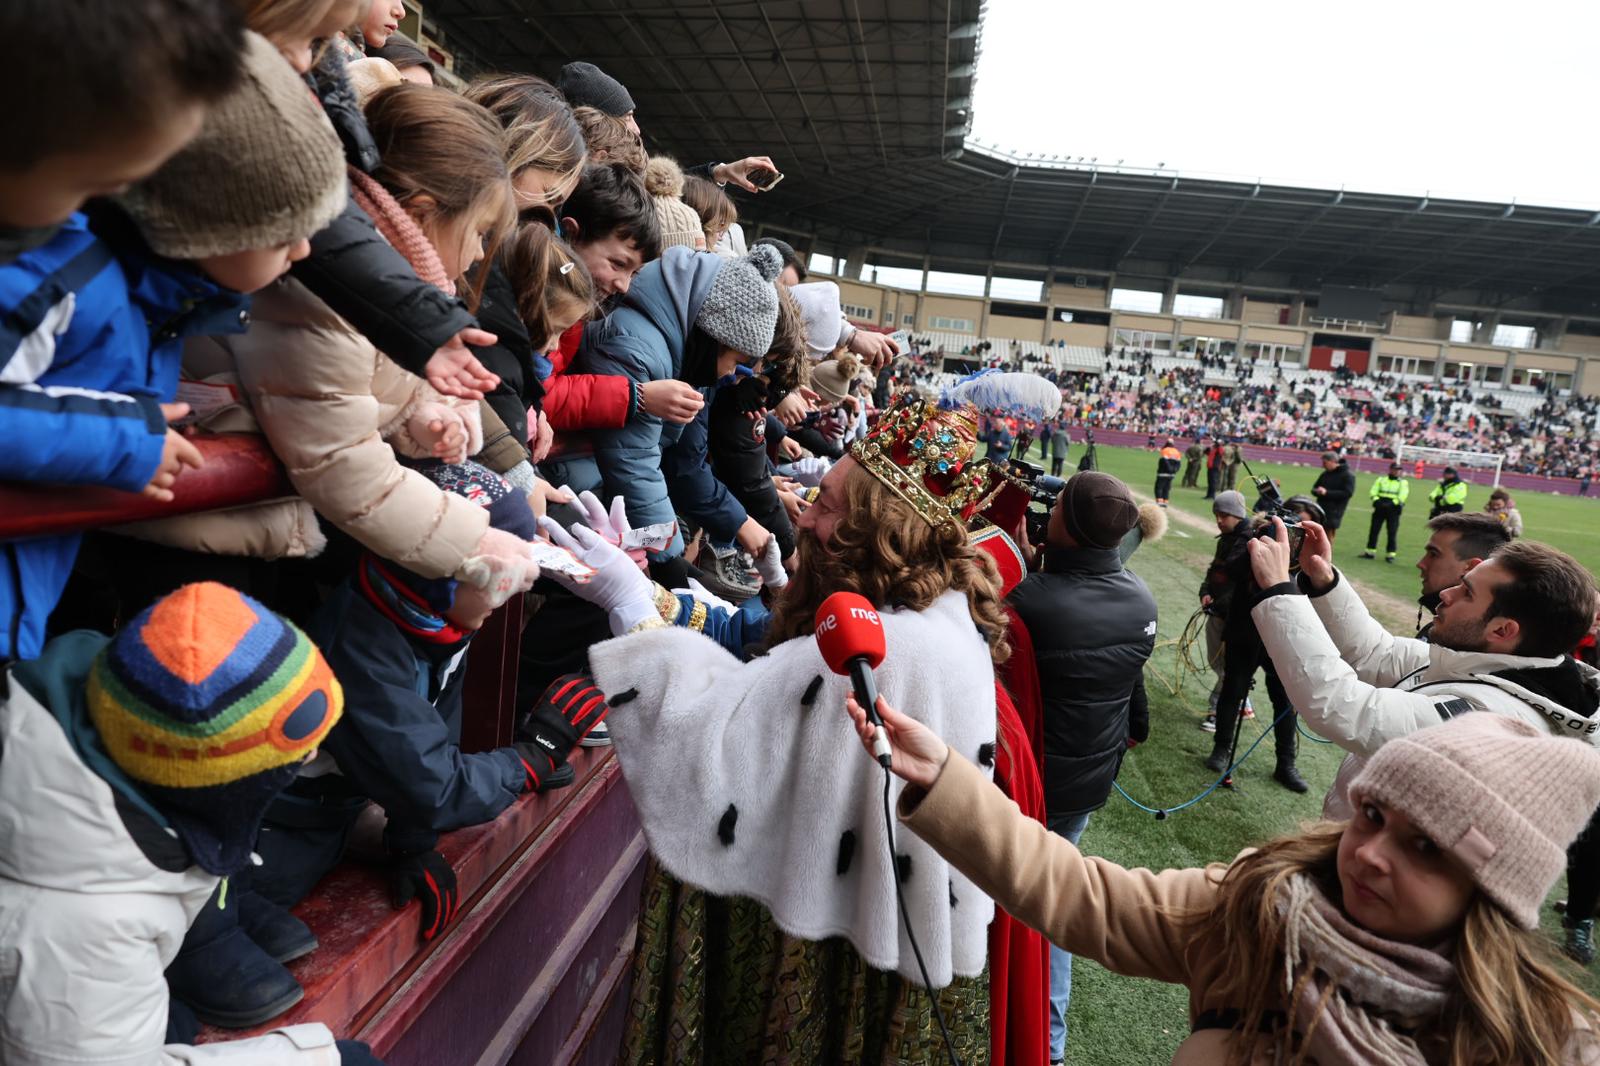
(927, 455)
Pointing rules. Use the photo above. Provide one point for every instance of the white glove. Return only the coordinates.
(611, 525)
(769, 564)
(618, 586)
(502, 563)
(809, 470)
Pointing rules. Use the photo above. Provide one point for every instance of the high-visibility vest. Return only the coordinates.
(1393, 489)
(1451, 494)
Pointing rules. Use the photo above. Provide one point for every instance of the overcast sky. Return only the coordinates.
(1476, 100)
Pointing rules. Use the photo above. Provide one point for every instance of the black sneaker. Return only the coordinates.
(1368, 555)
(1580, 941)
(1209, 723)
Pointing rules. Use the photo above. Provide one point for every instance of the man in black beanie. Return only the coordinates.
(1093, 626)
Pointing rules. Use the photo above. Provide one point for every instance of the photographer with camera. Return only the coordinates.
(1093, 626)
(1228, 596)
(1500, 643)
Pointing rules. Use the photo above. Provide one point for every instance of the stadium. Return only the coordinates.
(543, 800)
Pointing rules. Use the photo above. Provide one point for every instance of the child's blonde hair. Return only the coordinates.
(434, 143)
(610, 140)
(539, 128)
(550, 281)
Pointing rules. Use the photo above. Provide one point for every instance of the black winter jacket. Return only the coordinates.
(738, 450)
(399, 740)
(356, 272)
(1341, 485)
(510, 357)
(1093, 626)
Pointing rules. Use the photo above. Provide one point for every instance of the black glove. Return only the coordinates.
(563, 714)
(750, 393)
(427, 878)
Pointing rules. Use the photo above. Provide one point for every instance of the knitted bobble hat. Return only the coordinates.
(210, 702)
(1503, 797)
(680, 225)
(740, 309)
(266, 169)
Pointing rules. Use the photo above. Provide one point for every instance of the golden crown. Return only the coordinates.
(927, 455)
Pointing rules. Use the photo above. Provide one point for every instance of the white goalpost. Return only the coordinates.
(1408, 454)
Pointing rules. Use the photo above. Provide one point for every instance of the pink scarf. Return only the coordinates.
(1370, 991)
(399, 229)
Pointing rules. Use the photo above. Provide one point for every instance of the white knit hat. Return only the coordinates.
(1503, 797)
(822, 314)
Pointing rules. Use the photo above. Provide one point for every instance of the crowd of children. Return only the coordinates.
(446, 314)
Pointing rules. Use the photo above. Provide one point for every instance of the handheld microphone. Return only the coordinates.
(850, 637)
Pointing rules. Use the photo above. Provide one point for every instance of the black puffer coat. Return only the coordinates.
(1340, 484)
(1093, 626)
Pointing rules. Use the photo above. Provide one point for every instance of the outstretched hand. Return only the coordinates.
(454, 371)
(919, 754)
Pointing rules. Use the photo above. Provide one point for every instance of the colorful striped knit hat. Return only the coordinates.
(210, 701)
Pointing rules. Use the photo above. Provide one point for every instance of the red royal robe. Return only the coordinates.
(1019, 958)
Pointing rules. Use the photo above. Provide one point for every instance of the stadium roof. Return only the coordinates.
(866, 106)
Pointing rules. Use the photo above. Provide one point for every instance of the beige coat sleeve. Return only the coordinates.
(1124, 919)
(310, 378)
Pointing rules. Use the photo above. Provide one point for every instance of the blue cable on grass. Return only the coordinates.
(1162, 812)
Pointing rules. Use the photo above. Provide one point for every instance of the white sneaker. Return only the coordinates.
(599, 737)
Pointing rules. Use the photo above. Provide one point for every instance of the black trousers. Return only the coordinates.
(1212, 477)
(1583, 872)
(1387, 517)
(1163, 486)
(1242, 656)
(1055, 464)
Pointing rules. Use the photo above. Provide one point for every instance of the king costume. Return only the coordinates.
(769, 930)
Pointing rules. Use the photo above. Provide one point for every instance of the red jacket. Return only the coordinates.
(583, 401)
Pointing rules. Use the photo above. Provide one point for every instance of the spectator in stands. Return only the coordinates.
(1456, 544)
(610, 140)
(1167, 464)
(794, 267)
(133, 772)
(400, 642)
(1324, 945)
(680, 225)
(1388, 500)
(412, 62)
(99, 138)
(1194, 458)
(88, 386)
(544, 153)
(1503, 507)
(715, 209)
(1093, 626)
(1333, 489)
(692, 317)
(335, 409)
(1449, 496)
(1500, 643)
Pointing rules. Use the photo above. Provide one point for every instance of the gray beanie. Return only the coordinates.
(586, 85)
(1230, 502)
(266, 169)
(741, 307)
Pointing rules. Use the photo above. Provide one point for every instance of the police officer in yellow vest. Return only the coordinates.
(1388, 500)
(1449, 495)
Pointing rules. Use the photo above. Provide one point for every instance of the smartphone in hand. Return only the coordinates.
(764, 179)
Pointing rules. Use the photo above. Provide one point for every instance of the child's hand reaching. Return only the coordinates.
(454, 371)
(176, 453)
(439, 431)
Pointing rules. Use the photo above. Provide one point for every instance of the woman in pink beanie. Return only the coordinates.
(1406, 936)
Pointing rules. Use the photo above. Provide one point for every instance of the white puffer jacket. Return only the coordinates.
(1359, 685)
(88, 922)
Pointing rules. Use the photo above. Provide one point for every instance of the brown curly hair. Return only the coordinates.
(787, 364)
(885, 551)
(610, 140)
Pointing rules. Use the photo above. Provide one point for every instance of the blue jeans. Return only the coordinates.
(1070, 826)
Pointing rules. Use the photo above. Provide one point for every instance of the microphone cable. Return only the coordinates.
(1162, 812)
(905, 918)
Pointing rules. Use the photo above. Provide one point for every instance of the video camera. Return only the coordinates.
(1277, 508)
(1042, 492)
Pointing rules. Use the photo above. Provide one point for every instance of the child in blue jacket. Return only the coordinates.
(94, 320)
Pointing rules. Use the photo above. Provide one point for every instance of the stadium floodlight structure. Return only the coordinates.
(1464, 461)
